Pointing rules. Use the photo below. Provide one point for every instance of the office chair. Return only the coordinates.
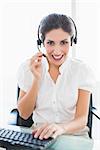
(17, 120)
(90, 117)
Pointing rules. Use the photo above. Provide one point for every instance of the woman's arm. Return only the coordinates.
(26, 101)
(81, 115)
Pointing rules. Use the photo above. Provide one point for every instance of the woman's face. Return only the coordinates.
(57, 43)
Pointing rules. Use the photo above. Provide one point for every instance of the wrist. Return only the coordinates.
(36, 81)
(63, 126)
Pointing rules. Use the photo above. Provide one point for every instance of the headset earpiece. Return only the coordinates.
(74, 37)
(39, 42)
(72, 40)
(75, 40)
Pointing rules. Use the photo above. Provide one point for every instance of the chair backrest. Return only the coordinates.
(90, 117)
(29, 121)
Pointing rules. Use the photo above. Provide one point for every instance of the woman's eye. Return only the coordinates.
(64, 42)
(50, 42)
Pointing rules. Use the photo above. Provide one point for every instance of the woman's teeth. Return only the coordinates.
(57, 57)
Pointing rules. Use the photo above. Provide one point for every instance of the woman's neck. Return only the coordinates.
(54, 72)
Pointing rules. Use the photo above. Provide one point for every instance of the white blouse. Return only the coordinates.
(56, 102)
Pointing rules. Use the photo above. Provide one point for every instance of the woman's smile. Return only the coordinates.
(57, 57)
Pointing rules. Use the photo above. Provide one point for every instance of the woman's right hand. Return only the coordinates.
(36, 65)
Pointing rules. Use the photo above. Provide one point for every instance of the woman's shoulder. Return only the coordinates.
(24, 76)
(79, 63)
(81, 67)
(24, 69)
(76, 61)
(25, 65)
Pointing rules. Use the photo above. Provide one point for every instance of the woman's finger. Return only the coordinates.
(34, 131)
(50, 133)
(58, 132)
(35, 59)
(39, 130)
(45, 131)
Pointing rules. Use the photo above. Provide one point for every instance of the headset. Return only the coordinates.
(39, 42)
(73, 38)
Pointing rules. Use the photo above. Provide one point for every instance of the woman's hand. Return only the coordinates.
(36, 65)
(48, 130)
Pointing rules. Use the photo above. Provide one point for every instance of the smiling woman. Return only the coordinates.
(61, 94)
(57, 85)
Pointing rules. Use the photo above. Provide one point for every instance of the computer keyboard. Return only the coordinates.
(11, 139)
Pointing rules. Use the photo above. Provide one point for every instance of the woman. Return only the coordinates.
(56, 88)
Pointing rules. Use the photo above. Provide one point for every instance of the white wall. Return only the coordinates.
(88, 22)
(88, 46)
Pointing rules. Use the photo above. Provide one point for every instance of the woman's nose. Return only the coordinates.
(57, 51)
(57, 48)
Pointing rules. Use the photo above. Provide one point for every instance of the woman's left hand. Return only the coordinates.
(48, 130)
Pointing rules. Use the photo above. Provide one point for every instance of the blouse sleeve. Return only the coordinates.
(24, 77)
(87, 78)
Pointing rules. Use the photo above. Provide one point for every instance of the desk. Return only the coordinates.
(64, 142)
